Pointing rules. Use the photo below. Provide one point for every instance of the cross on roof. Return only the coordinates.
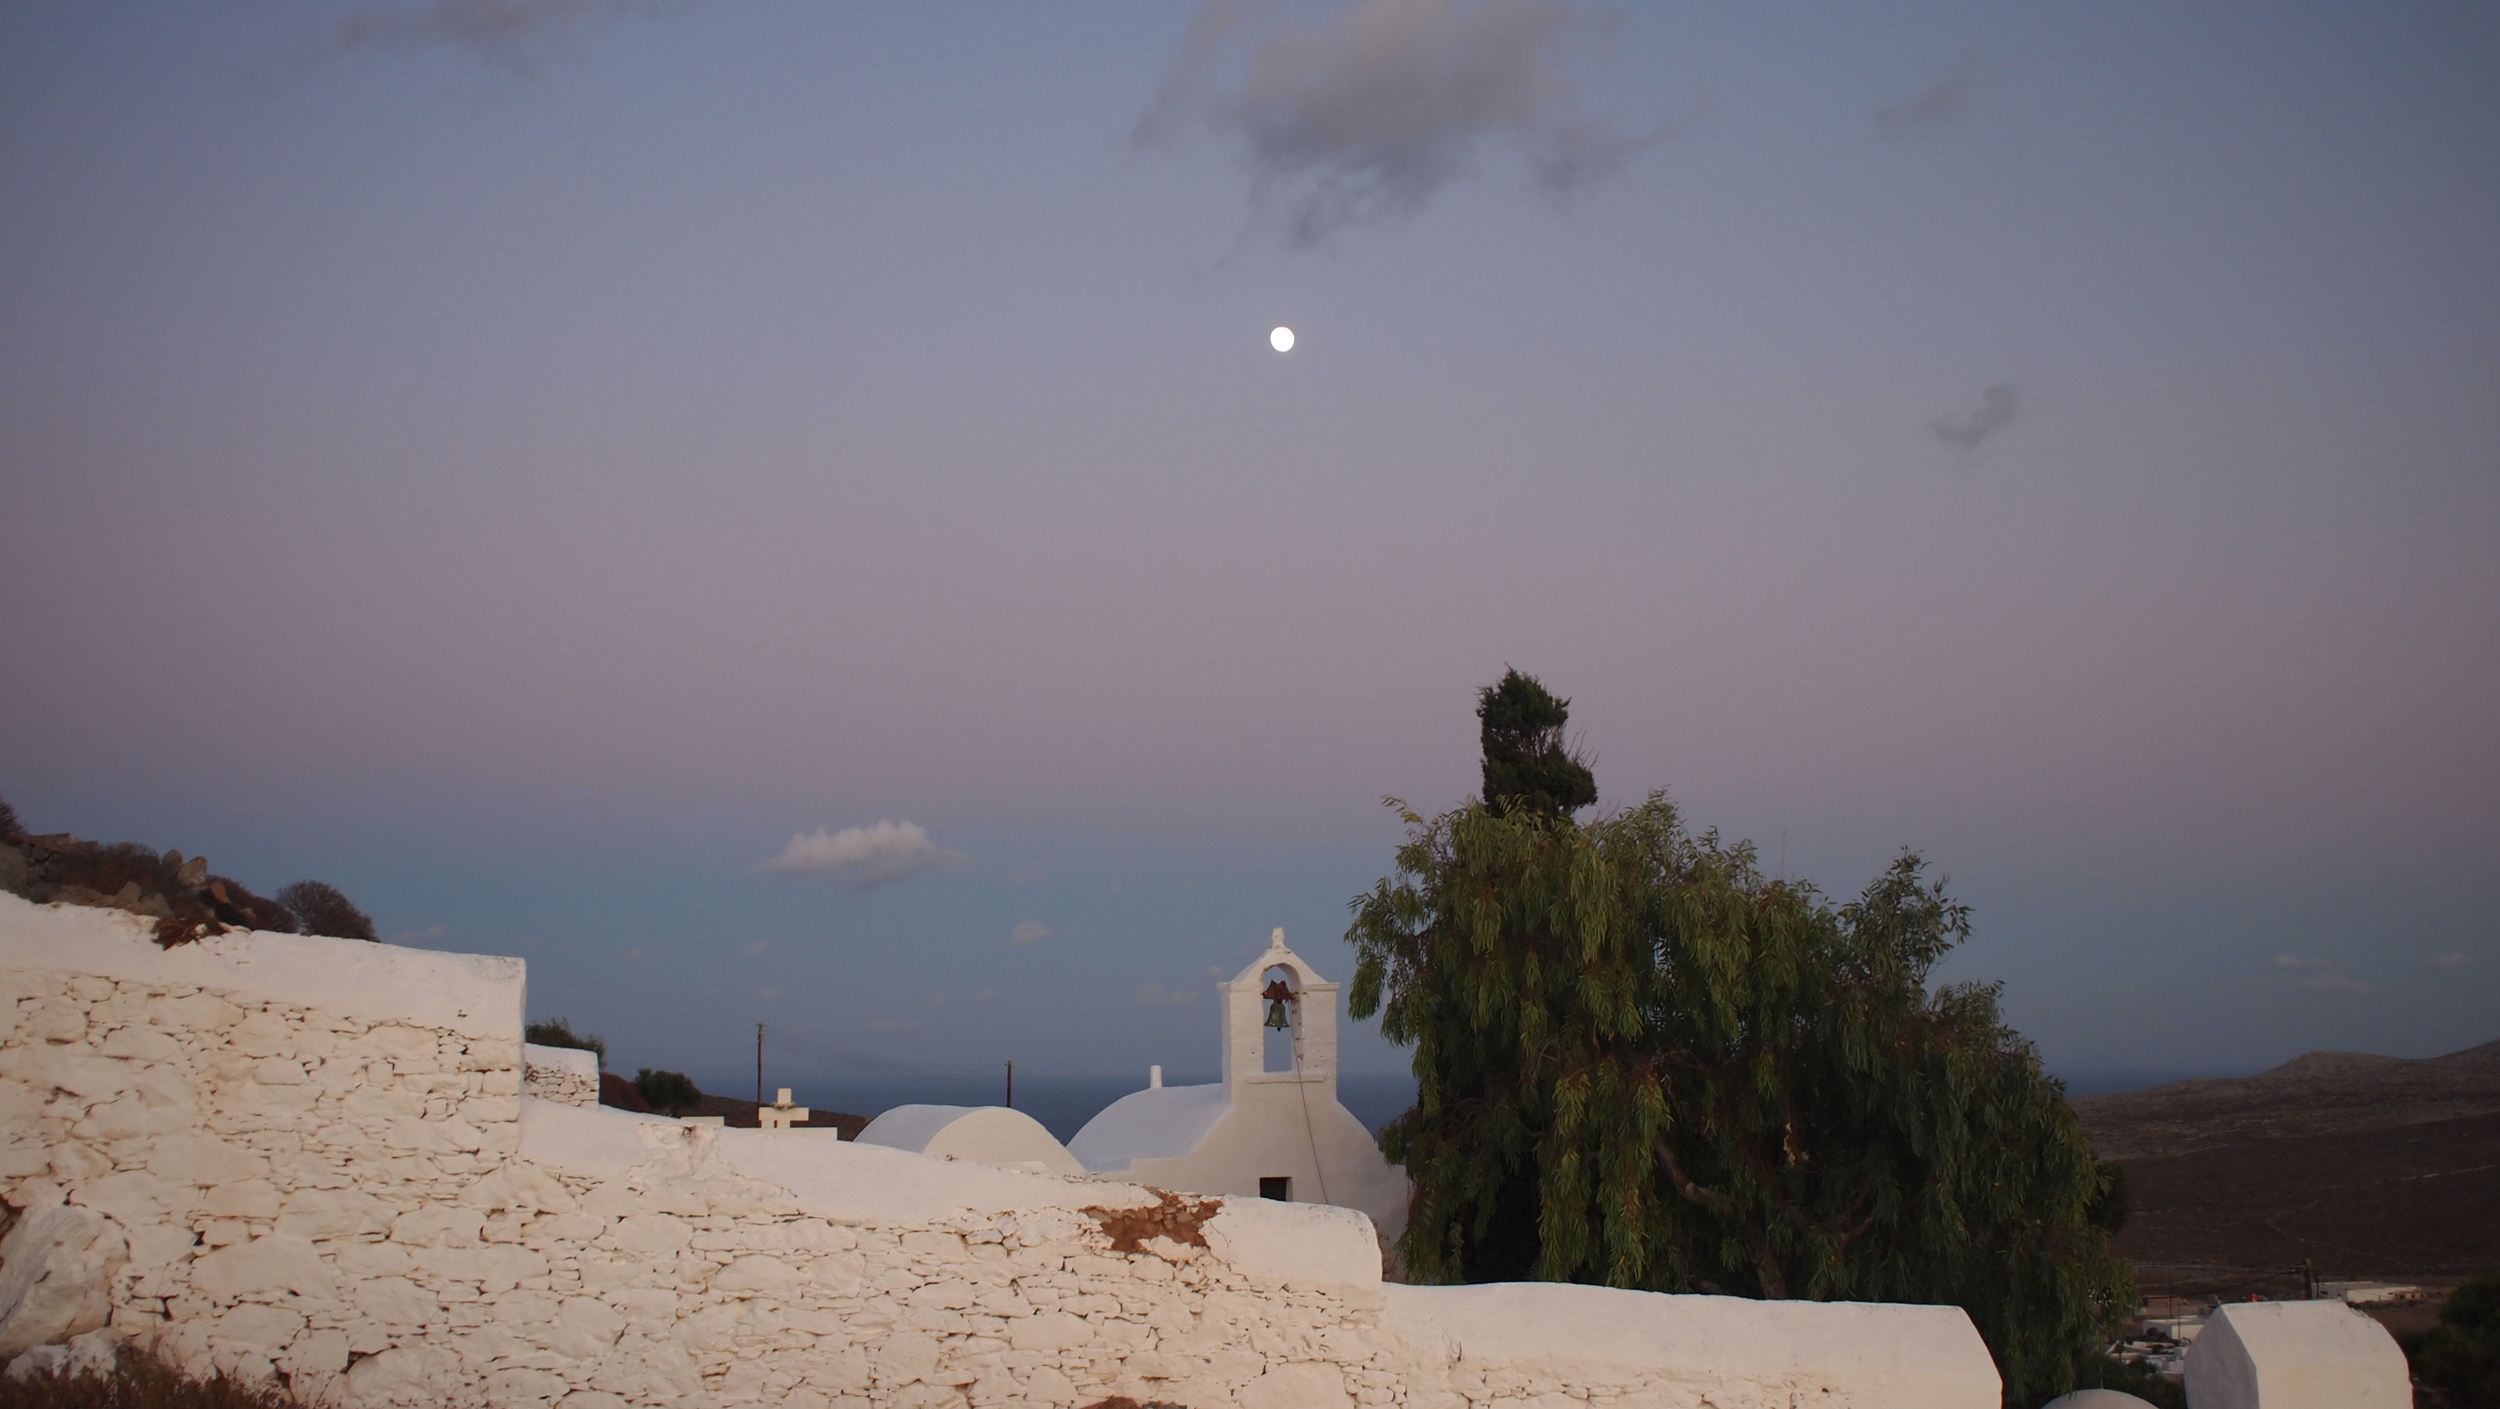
(780, 1115)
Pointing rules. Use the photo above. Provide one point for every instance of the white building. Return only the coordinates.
(1268, 1128)
(2295, 1355)
(991, 1135)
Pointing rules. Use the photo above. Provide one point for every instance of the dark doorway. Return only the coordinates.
(1279, 1188)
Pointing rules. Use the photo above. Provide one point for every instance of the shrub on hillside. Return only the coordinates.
(321, 909)
(558, 1032)
(8, 821)
(670, 1091)
(237, 906)
(2461, 1355)
(110, 870)
(137, 1382)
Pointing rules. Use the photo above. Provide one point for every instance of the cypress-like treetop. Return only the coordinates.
(1527, 765)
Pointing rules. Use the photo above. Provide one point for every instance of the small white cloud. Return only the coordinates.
(756, 948)
(636, 952)
(768, 994)
(1028, 934)
(431, 934)
(985, 995)
(1027, 874)
(2295, 961)
(2334, 983)
(862, 858)
(1363, 118)
(2453, 959)
(1155, 995)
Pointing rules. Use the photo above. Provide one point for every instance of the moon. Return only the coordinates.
(1281, 339)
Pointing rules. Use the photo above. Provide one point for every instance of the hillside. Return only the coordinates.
(2368, 1166)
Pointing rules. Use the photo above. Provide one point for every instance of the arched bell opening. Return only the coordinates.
(1280, 1006)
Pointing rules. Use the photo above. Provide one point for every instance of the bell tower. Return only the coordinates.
(1308, 1006)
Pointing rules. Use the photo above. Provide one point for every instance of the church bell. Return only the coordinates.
(1277, 996)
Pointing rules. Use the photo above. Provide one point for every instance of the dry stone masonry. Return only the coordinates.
(329, 1163)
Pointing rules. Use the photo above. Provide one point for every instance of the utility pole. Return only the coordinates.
(759, 1064)
(1011, 1084)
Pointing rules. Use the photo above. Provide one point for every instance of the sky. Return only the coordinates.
(788, 513)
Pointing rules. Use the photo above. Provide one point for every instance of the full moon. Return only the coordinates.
(1281, 340)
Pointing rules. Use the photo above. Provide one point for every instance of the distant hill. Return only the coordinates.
(2365, 1165)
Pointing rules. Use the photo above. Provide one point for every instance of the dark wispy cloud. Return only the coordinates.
(1999, 407)
(1935, 105)
(1360, 120)
(861, 858)
(519, 36)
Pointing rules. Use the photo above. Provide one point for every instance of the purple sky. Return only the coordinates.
(525, 462)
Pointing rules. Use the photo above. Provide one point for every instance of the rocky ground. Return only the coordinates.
(2363, 1166)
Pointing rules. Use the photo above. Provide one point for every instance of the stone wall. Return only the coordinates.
(313, 1159)
(567, 1075)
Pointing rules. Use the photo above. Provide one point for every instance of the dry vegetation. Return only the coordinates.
(137, 1382)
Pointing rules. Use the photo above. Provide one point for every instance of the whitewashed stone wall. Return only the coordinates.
(313, 1159)
(567, 1075)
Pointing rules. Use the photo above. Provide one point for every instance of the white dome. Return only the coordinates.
(993, 1135)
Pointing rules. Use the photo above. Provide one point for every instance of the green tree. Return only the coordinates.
(673, 1092)
(1528, 765)
(558, 1032)
(2461, 1355)
(1642, 1063)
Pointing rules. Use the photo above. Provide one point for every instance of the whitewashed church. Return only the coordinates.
(1272, 1126)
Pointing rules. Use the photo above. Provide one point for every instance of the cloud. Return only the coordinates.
(756, 948)
(1155, 995)
(1026, 874)
(2334, 983)
(2295, 961)
(1998, 407)
(1028, 934)
(517, 36)
(1361, 120)
(2453, 959)
(431, 934)
(862, 858)
(1936, 105)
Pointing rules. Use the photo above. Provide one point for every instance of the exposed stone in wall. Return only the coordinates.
(567, 1075)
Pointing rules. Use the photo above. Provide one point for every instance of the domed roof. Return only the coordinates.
(993, 1135)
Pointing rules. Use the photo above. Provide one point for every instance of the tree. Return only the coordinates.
(321, 909)
(558, 1032)
(1642, 1063)
(1527, 764)
(2461, 1355)
(670, 1091)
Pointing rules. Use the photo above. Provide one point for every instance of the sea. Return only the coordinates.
(1062, 1103)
